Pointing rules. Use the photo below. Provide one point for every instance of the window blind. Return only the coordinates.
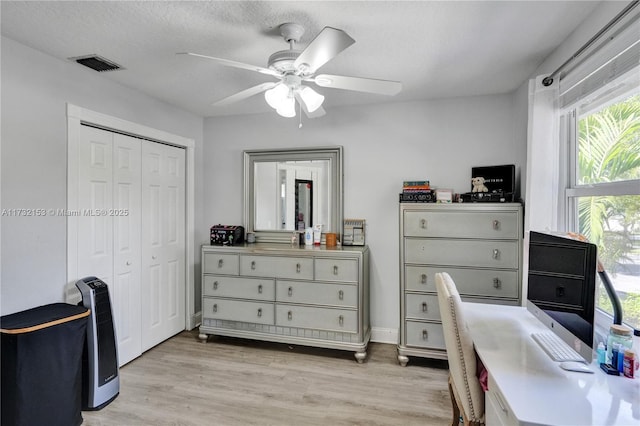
(618, 55)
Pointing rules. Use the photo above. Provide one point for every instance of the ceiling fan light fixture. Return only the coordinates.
(287, 107)
(312, 99)
(276, 95)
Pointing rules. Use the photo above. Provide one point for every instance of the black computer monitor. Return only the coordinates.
(562, 288)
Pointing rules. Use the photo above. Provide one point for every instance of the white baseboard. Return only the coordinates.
(384, 335)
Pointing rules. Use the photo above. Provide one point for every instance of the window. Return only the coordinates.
(603, 187)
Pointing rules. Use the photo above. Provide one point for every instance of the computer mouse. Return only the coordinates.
(576, 366)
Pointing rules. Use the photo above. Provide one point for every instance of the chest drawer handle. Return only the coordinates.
(215, 285)
(259, 312)
(341, 320)
(215, 307)
(423, 279)
(341, 295)
(253, 265)
(423, 223)
(496, 254)
(289, 315)
(335, 269)
(290, 292)
(425, 335)
(424, 307)
(220, 263)
(260, 289)
(496, 225)
(297, 267)
(497, 283)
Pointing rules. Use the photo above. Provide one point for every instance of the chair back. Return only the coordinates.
(460, 352)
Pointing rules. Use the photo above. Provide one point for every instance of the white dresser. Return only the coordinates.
(307, 295)
(478, 244)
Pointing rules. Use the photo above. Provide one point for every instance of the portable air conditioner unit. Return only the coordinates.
(100, 378)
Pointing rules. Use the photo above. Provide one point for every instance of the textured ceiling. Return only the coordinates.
(437, 49)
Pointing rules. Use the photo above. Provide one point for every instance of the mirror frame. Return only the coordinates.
(333, 154)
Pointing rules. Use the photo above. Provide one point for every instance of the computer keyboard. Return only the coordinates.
(555, 347)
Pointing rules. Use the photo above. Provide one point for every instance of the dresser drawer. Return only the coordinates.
(315, 293)
(422, 306)
(477, 282)
(337, 270)
(217, 263)
(458, 224)
(243, 288)
(275, 266)
(425, 335)
(237, 310)
(317, 318)
(470, 253)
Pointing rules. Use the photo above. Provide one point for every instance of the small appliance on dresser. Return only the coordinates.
(100, 377)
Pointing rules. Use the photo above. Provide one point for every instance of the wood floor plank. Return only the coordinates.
(231, 382)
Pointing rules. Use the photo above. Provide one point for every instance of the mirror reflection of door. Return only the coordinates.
(304, 204)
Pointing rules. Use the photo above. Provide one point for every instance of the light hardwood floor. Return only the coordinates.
(231, 381)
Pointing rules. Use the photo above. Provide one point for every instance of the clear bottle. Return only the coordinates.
(602, 356)
(618, 335)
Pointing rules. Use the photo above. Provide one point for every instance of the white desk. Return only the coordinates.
(527, 388)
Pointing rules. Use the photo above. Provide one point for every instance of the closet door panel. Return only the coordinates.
(163, 242)
(95, 242)
(125, 291)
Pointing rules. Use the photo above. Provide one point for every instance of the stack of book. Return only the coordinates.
(417, 191)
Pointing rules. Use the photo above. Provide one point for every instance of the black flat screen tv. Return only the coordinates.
(562, 288)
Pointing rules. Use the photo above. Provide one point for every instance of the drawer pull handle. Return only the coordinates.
(423, 279)
(425, 335)
(215, 307)
(497, 283)
(423, 223)
(496, 254)
(341, 295)
(297, 267)
(289, 316)
(215, 285)
(128, 263)
(341, 320)
(500, 403)
(253, 265)
(496, 225)
(220, 263)
(259, 312)
(424, 307)
(290, 292)
(260, 289)
(335, 269)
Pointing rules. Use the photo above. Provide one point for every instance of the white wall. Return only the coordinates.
(383, 145)
(35, 90)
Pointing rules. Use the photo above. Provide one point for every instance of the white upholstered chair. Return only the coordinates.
(466, 392)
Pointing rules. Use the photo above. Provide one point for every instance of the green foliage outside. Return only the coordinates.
(609, 151)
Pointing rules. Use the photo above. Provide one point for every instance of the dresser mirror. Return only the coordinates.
(290, 190)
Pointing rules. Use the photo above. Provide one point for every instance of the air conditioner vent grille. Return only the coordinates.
(97, 63)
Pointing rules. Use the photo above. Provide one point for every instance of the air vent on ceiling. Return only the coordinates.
(97, 63)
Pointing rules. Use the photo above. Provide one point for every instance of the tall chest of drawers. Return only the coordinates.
(313, 296)
(478, 244)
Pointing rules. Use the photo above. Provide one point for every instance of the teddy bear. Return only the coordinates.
(478, 185)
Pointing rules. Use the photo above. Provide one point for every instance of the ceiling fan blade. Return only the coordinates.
(247, 93)
(228, 63)
(370, 85)
(318, 112)
(327, 44)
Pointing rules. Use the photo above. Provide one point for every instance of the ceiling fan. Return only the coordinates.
(293, 68)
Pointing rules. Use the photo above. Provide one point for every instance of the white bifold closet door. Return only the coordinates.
(131, 225)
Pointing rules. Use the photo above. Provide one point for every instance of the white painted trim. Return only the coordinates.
(385, 335)
(76, 116)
